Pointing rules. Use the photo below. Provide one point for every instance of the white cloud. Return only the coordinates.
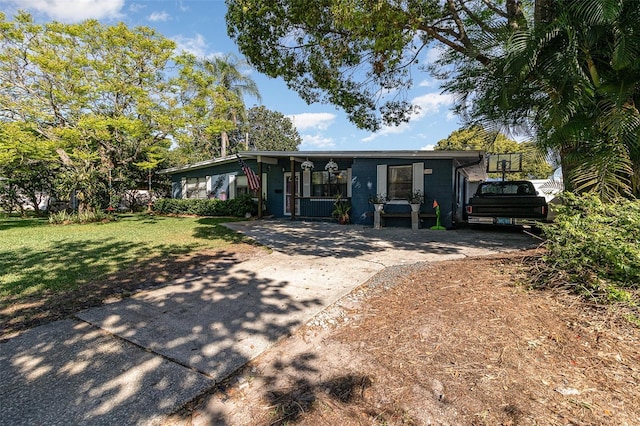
(387, 130)
(71, 10)
(195, 45)
(136, 7)
(317, 141)
(159, 17)
(429, 103)
(428, 83)
(434, 53)
(428, 147)
(313, 120)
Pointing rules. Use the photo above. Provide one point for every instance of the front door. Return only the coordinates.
(287, 191)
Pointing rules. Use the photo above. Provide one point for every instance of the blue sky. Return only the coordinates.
(199, 27)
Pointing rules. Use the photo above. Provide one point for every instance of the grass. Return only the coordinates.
(38, 258)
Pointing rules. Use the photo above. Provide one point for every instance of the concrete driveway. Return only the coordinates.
(140, 359)
(386, 247)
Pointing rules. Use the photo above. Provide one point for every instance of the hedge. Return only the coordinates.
(238, 207)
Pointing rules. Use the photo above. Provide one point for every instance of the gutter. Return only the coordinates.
(454, 204)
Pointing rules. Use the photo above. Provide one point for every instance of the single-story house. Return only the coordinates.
(358, 176)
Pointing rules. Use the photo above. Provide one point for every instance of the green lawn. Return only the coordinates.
(36, 257)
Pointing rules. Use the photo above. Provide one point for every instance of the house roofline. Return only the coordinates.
(365, 154)
(199, 165)
(302, 155)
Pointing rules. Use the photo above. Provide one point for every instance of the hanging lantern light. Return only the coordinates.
(331, 166)
(307, 165)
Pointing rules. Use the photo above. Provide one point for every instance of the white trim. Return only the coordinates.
(381, 179)
(306, 183)
(267, 160)
(208, 184)
(263, 183)
(232, 186)
(418, 177)
(286, 188)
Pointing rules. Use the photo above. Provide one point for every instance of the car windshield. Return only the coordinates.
(505, 188)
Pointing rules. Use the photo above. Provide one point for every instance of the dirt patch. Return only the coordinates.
(44, 308)
(456, 342)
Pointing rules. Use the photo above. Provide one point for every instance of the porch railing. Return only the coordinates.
(316, 207)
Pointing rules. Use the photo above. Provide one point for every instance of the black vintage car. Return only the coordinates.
(507, 203)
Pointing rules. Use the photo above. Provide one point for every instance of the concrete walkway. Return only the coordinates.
(138, 360)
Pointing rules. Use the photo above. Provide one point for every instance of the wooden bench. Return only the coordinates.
(384, 215)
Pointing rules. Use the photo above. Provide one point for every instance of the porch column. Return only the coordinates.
(292, 207)
(260, 201)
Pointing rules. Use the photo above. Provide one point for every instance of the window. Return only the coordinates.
(328, 184)
(242, 187)
(196, 187)
(399, 182)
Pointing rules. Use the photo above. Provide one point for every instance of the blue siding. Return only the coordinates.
(438, 185)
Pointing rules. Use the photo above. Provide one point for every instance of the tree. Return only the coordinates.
(95, 94)
(573, 77)
(203, 111)
(270, 130)
(565, 70)
(360, 54)
(27, 168)
(228, 73)
(534, 166)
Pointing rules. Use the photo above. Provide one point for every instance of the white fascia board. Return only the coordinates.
(199, 165)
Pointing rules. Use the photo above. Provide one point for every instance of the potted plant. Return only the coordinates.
(378, 201)
(341, 210)
(416, 198)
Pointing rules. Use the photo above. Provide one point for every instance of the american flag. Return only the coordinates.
(252, 179)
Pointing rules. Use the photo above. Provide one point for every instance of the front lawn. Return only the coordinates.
(39, 261)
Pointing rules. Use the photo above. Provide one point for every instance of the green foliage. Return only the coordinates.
(534, 165)
(574, 80)
(93, 98)
(37, 258)
(237, 207)
(355, 54)
(341, 209)
(65, 218)
(99, 104)
(270, 130)
(416, 197)
(594, 248)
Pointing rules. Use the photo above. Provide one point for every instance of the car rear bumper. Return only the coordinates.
(506, 221)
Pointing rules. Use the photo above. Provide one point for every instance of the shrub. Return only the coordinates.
(593, 248)
(237, 207)
(63, 217)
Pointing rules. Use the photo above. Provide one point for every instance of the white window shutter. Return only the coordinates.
(208, 188)
(264, 186)
(349, 182)
(418, 177)
(232, 187)
(183, 182)
(381, 182)
(306, 183)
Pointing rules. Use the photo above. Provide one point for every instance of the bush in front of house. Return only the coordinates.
(238, 207)
(592, 248)
(64, 217)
